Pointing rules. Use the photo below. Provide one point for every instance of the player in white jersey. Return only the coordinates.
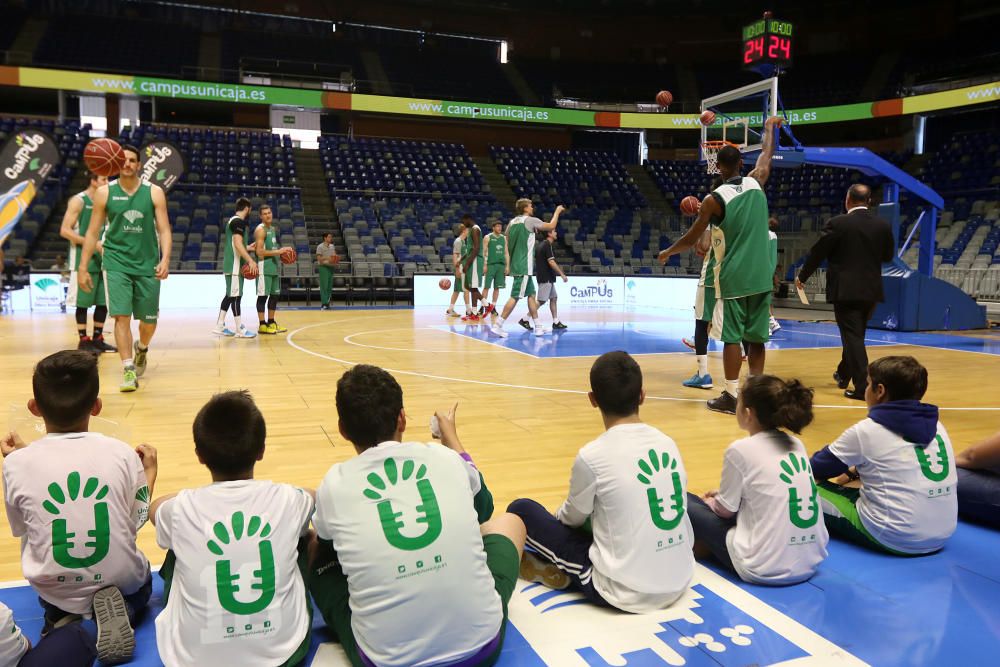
(908, 501)
(772, 226)
(404, 573)
(77, 499)
(233, 590)
(764, 522)
(630, 483)
(457, 284)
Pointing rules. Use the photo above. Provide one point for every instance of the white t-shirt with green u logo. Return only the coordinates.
(402, 521)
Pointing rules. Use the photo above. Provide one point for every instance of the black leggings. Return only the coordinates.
(231, 302)
(262, 301)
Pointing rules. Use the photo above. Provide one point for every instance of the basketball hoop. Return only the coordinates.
(710, 149)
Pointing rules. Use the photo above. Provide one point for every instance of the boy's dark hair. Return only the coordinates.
(778, 403)
(66, 385)
(730, 157)
(468, 220)
(242, 203)
(91, 176)
(616, 380)
(229, 432)
(132, 149)
(903, 377)
(262, 207)
(369, 401)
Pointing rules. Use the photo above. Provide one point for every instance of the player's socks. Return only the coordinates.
(500, 322)
(128, 363)
(221, 321)
(702, 363)
(239, 325)
(733, 387)
(98, 331)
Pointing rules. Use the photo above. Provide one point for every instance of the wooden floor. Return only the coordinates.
(523, 439)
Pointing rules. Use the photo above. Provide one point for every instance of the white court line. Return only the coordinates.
(347, 339)
(886, 342)
(290, 339)
(496, 345)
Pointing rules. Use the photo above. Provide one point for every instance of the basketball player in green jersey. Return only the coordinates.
(521, 243)
(74, 227)
(136, 258)
(472, 265)
(497, 264)
(234, 258)
(744, 275)
(269, 272)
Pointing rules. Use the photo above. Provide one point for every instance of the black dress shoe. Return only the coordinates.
(855, 394)
(841, 381)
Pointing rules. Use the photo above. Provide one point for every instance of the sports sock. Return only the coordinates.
(534, 322)
(733, 387)
(500, 321)
(128, 363)
(702, 360)
(238, 324)
(142, 348)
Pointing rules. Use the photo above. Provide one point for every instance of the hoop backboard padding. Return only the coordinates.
(761, 100)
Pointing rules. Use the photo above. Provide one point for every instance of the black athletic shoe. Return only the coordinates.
(559, 325)
(86, 344)
(726, 403)
(854, 394)
(842, 382)
(99, 345)
(525, 323)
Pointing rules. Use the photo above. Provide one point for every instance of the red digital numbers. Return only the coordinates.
(779, 48)
(753, 49)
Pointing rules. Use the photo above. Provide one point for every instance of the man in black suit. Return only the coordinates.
(855, 245)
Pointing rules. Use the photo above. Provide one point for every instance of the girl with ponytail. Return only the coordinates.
(765, 522)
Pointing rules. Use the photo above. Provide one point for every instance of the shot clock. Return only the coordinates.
(767, 42)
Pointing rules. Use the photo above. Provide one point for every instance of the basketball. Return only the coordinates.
(289, 256)
(444, 283)
(247, 271)
(664, 98)
(104, 157)
(690, 205)
(707, 117)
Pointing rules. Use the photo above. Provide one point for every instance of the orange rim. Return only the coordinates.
(718, 145)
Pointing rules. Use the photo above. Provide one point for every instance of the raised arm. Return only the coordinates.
(73, 209)
(762, 170)
(709, 208)
(551, 224)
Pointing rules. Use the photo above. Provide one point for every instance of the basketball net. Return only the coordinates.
(710, 149)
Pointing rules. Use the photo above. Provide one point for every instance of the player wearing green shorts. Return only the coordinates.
(497, 264)
(472, 265)
(75, 224)
(457, 288)
(404, 528)
(268, 271)
(737, 209)
(136, 258)
(234, 257)
(521, 244)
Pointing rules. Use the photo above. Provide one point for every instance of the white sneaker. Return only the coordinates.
(246, 333)
(773, 325)
(498, 331)
(542, 331)
(223, 331)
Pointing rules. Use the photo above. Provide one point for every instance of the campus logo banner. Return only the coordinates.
(27, 155)
(162, 164)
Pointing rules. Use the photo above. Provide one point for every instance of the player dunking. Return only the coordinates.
(521, 244)
(234, 257)
(136, 258)
(75, 224)
(743, 272)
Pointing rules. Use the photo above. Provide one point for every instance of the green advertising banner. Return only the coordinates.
(317, 99)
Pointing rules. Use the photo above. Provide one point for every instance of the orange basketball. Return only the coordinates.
(289, 256)
(664, 98)
(690, 205)
(707, 117)
(247, 271)
(444, 283)
(104, 157)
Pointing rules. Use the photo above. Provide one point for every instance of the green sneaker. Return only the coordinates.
(139, 356)
(129, 381)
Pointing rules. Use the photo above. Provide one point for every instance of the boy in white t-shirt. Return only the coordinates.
(908, 503)
(77, 499)
(404, 574)
(233, 587)
(13, 645)
(630, 486)
(69, 645)
(764, 522)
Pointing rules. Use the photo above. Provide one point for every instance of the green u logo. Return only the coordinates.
(927, 468)
(649, 470)
(226, 583)
(430, 512)
(796, 466)
(62, 538)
